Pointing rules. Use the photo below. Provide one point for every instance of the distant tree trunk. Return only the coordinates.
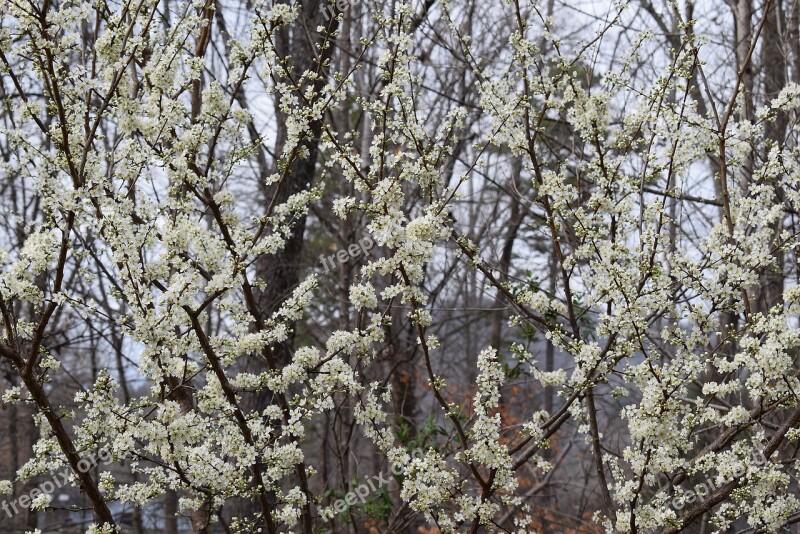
(774, 64)
(21, 434)
(281, 270)
(793, 38)
(512, 226)
(743, 15)
(170, 512)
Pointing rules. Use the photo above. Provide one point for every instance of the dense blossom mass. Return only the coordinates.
(577, 310)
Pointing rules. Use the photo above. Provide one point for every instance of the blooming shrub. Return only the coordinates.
(134, 213)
